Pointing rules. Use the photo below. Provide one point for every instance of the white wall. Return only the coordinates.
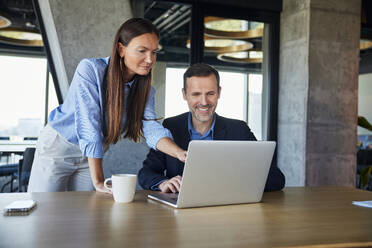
(365, 100)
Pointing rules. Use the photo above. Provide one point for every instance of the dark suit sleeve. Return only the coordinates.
(153, 169)
(245, 132)
(275, 179)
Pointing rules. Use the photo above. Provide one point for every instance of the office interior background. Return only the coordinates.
(299, 72)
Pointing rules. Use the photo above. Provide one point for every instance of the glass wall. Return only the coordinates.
(255, 104)
(242, 46)
(238, 45)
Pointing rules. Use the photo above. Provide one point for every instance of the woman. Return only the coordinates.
(108, 97)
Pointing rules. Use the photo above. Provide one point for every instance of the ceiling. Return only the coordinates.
(20, 12)
(22, 16)
(173, 21)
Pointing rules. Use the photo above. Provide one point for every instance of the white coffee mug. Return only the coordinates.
(123, 186)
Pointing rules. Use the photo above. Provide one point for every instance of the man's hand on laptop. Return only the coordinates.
(172, 185)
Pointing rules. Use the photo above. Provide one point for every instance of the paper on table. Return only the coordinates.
(367, 204)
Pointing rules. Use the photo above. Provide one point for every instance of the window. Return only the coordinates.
(255, 104)
(174, 103)
(23, 97)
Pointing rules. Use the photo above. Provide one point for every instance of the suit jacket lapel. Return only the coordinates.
(182, 137)
(219, 132)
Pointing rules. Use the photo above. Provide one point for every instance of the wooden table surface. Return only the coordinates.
(295, 217)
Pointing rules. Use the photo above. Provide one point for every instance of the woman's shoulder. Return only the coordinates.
(96, 63)
(90, 70)
(92, 67)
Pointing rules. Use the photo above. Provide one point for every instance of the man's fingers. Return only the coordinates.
(176, 181)
(171, 187)
(163, 187)
(176, 184)
(166, 189)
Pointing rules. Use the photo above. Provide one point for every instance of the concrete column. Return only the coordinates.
(81, 29)
(319, 49)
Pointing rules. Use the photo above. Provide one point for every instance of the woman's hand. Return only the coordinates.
(181, 155)
(96, 174)
(101, 188)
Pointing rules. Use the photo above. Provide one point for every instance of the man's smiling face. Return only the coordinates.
(202, 94)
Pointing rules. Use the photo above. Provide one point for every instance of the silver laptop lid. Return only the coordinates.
(225, 172)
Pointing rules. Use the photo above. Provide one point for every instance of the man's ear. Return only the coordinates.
(219, 92)
(121, 49)
(184, 94)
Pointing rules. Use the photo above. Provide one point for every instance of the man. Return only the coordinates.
(201, 90)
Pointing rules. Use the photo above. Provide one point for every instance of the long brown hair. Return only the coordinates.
(113, 88)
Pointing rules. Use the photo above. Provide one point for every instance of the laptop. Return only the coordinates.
(221, 173)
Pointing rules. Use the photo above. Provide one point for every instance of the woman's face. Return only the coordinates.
(139, 55)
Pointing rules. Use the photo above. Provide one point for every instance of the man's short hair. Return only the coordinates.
(200, 70)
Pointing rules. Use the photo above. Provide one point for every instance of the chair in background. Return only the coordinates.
(364, 162)
(24, 169)
(7, 170)
(4, 154)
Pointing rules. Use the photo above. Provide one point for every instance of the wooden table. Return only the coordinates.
(296, 217)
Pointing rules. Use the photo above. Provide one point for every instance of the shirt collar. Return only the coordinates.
(192, 129)
(129, 84)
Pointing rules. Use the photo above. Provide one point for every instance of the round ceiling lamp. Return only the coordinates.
(228, 38)
(20, 37)
(224, 45)
(365, 44)
(248, 57)
(217, 27)
(4, 22)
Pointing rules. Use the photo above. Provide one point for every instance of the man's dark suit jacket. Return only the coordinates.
(158, 163)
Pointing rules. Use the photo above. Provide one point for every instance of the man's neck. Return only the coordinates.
(201, 127)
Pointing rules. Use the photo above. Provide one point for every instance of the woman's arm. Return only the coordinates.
(88, 117)
(158, 137)
(168, 146)
(96, 174)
